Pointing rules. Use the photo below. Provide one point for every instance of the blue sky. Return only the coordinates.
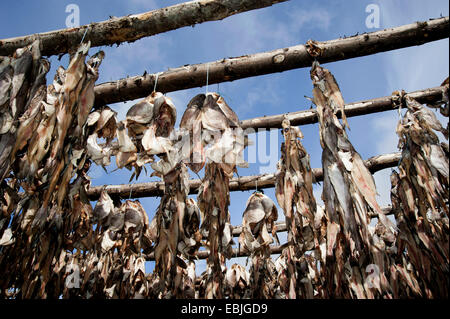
(282, 25)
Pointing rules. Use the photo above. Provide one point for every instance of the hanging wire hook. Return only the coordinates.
(131, 190)
(207, 78)
(84, 34)
(156, 81)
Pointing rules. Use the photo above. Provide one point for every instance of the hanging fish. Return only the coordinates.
(257, 221)
(349, 191)
(237, 281)
(177, 224)
(419, 196)
(204, 115)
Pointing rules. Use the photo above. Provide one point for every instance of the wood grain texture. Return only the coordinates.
(133, 27)
(230, 69)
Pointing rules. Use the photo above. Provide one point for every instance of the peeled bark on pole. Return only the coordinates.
(230, 69)
(133, 27)
(381, 104)
(375, 163)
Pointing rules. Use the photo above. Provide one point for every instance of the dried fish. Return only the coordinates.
(49, 150)
(419, 197)
(208, 116)
(258, 219)
(349, 195)
(177, 223)
(294, 193)
(237, 282)
(55, 244)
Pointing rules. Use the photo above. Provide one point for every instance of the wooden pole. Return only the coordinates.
(230, 69)
(381, 104)
(376, 105)
(243, 183)
(133, 27)
(276, 249)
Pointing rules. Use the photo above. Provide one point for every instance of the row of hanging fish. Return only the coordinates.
(43, 165)
(214, 130)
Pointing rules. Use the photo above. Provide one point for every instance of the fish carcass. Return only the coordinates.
(294, 192)
(209, 121)
(258, 222)
(349, 194)
(176, 223)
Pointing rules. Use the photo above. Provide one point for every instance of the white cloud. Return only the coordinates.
(143, 5)
(259, 30)
(304, 19)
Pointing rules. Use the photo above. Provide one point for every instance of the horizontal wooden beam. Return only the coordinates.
(204, 254)
(281, 225)
(275, 249)
(243, 183)
(133, 27)
(230, 69)
(381, 104)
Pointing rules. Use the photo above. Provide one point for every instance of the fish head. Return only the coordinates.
(165, 116)
(192, 110)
